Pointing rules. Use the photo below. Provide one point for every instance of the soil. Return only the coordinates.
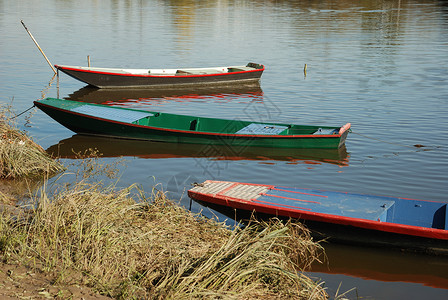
(19, 282)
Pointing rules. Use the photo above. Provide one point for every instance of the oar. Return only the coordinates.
(35, 42)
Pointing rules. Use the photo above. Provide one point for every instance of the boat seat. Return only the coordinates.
(194, 125)
(203, 71)
(181, 72)
(240, 69)
(136, 71)
(440, 219)
(256, 128)
(326, 131)
(162, 71)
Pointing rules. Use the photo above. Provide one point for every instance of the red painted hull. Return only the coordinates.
(317, 214)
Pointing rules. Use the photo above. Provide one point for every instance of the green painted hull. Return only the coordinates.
(95, 119)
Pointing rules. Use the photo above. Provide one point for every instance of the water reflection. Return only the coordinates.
(384, 265)
(110, 147)
(143, 97)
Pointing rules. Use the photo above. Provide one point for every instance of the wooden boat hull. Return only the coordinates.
(120, 78)
(409, 224)
(109, 121)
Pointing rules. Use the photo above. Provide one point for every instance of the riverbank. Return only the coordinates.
(101, 238)
(87, 240)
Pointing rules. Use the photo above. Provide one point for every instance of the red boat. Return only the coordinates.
(160, 78)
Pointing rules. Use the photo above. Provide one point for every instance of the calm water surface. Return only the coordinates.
(381, 65)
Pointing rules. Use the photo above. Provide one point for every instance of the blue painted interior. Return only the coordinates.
(340, 204)
(446, 216)
(126, 116)
(418, 213)
(385, 209)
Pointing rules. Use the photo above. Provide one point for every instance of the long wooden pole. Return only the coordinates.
(40, 49)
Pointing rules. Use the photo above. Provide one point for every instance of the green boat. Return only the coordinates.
(103, 120)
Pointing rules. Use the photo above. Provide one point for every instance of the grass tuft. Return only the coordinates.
(20, 156)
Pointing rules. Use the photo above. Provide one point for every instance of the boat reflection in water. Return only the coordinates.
(113, 147)
(382, 264)
(128, 97)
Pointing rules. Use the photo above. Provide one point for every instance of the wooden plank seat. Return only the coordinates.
(255, 128)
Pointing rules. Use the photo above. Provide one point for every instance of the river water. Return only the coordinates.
(380, 65)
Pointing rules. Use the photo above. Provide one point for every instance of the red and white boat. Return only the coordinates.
(114, 78)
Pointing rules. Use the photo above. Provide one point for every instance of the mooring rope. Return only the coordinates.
(12, 118)
(43, 94)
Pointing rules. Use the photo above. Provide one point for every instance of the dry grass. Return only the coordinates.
(20, 156)
(154, 249)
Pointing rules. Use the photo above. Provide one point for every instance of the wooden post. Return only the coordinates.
(57, 85)
(35, 42)
(88, 60)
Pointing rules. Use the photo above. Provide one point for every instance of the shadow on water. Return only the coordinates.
(112, 147)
